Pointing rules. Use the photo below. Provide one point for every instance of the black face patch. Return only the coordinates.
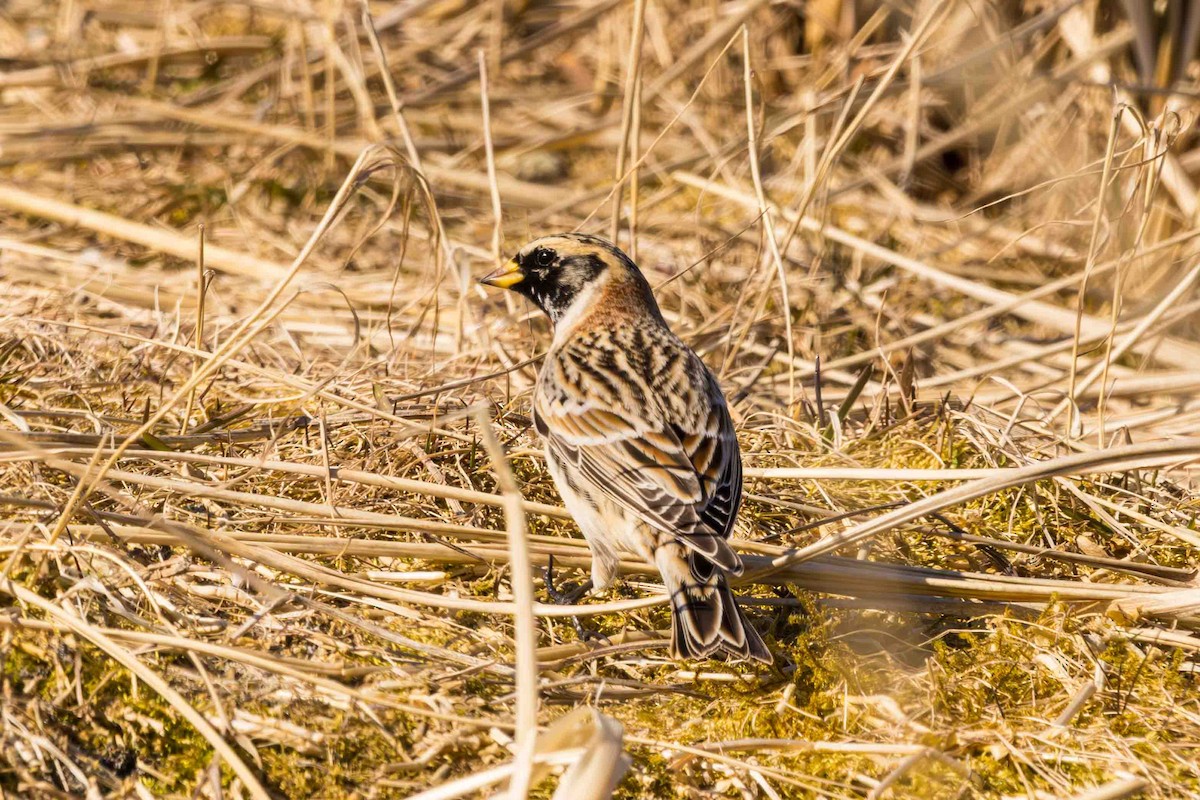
(553, 281)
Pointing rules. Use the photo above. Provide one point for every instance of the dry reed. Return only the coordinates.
(271, 514)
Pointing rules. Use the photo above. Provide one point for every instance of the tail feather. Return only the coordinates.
(705, 615)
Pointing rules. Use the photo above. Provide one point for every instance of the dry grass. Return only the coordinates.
(258, 536)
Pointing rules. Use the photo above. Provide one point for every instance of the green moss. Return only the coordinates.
(113, 717)
(358, 754)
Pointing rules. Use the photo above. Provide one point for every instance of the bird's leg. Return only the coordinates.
(568, 597)
(568, 594)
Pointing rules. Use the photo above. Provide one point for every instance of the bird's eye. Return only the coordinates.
(543, 257)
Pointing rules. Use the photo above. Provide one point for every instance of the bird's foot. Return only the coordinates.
(568, 596)
(587, 635)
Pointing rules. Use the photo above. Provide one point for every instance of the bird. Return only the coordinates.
(637, 437)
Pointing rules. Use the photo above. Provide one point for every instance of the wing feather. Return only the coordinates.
(678, 472)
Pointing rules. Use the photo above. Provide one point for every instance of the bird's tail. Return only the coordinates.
(705, 617)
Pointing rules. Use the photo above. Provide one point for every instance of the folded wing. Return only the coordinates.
(675, 465)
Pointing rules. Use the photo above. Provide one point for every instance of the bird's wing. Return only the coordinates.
(680, 475)
(721, 469)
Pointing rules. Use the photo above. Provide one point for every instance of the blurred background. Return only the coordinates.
(971, 137)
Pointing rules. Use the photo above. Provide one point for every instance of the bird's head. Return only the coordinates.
(560, 271)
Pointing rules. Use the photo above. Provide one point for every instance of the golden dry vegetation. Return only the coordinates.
(259, 534)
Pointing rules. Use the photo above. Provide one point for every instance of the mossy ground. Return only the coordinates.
(979, 692)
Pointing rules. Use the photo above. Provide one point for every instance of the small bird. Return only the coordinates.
(638, 436)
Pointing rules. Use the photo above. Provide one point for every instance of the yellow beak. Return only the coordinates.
(506, 277)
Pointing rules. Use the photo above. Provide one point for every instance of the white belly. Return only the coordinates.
(608, 530)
